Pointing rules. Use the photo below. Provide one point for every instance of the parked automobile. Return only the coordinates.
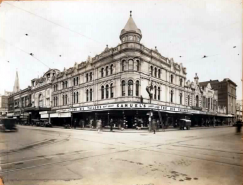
(8, 124)
(35, 122)
(45, 123)
(184, 124)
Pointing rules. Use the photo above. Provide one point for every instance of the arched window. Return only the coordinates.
(171, 79)
(66, 84)
(111, 69)
(151, 70)
(66, 99)
(138, 64)
(102, 72)
(158, 93)
(188, 99)
(171, 96)
(63, 100)
(77, 80)
(74, 81)
(155, 92)
(123, 65)
(137, 88)
(155, 72)
(56, 101)
(111, 91)
(63, 85)
(107, 91)
(130, 88)
(123, 87)
(180, 98)
(159, 73)
(90, 76)
(76, 97)
(87, 95)
(102, 92)
(91, 94)
(181, 82)
(197, 101)
(130, 65)
(107, 71)
(40, 100)
(87, 77)
(136, 67)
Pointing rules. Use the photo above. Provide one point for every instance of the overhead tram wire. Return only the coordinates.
(30, 54)
(197, 36)
(207, 56)
(54, 23)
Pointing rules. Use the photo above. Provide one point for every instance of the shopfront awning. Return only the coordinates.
(10, 114)
(60, 115)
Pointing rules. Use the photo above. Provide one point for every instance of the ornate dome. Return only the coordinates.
(130, 33)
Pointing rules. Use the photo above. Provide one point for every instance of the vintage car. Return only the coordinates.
(8, 124)
(184, 124)
(45, 123)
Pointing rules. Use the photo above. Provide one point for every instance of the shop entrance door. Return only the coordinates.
(130, 121)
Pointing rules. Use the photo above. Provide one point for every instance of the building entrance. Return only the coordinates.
(130, 121)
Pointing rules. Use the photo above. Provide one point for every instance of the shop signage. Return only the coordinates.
(130, 106)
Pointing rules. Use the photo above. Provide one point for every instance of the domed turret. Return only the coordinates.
(130, 33)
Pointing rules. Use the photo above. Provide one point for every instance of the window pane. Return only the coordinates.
(123, 88)
(130, 65)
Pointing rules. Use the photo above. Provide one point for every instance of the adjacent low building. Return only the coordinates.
(226, 94)
(3, 105)
(239, 110)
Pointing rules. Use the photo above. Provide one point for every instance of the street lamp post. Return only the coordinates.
(71, 109)
(108, 118)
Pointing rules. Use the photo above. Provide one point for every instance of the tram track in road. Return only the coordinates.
(60, 162)
(198, 158)
(227, 157)
(34, 145)
(129, 148)
(42, 157)
(209, 149)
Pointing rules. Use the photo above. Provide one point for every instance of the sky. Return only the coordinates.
(60, 33)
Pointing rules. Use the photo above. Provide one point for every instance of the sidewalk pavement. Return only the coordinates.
(140, 131)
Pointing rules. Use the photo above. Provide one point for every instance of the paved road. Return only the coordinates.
(56, 156)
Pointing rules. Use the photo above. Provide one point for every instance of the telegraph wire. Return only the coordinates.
(31, 54)
(196, 36)
(54, 23)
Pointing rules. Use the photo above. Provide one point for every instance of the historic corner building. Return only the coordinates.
(112, 85)
(127, 83)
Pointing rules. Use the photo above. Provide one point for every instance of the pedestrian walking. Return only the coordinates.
(111, 124)
(98, 125)
(154, 123)
(1, 180)
(75, 123)
(90, 123)
(158, 125)
(238, 126)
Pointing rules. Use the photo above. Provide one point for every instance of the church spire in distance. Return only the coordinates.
(16, 83)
